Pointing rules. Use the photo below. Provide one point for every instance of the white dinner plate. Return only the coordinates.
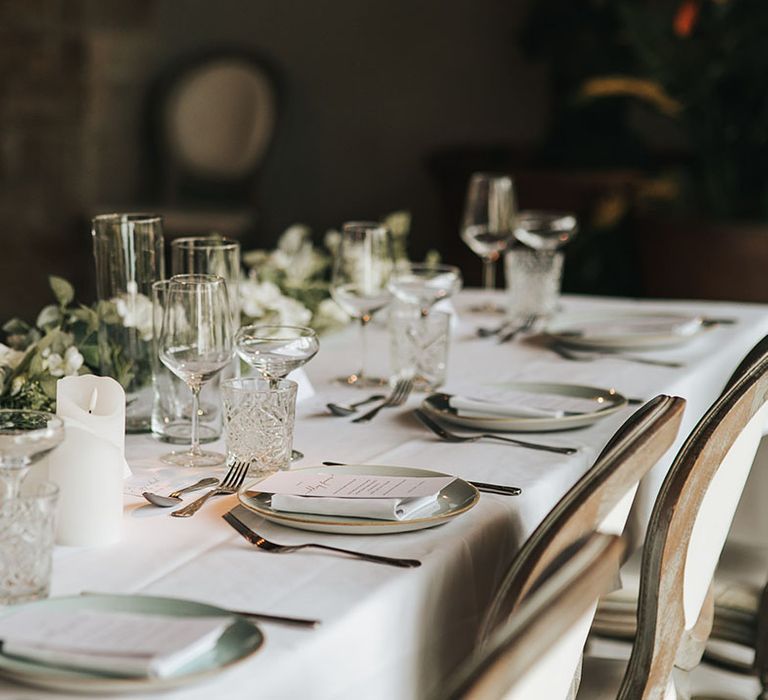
(240, 640)
(456, 498)
(436, 405)
(629, 330)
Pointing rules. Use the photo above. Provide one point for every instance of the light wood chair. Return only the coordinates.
(524, 653)
(686, 533)
(599, 500)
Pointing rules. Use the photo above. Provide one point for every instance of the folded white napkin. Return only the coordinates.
(125, 644)
(376, 508)
(642, 325)
(467, 406)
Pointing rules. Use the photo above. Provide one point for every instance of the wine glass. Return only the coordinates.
(488, 223)
(25, 437)
(362, 266)
(424, 284)
(196, 344)
(275, 351)
(545, 230)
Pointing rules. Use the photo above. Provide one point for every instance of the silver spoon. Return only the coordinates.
(172, 499)
(340, 409)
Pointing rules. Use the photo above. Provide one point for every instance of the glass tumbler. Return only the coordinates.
(419, 346)
(172, 404)
(259, 416)
(128, 249)
(533, 282)
(26, 543)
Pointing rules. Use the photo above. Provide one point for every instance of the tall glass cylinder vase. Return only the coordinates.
(129, 257)
(210, 255)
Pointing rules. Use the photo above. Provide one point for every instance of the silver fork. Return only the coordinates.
(526, 325)
(256, 539)
(396, 398)
(441, 432)
(231, 482)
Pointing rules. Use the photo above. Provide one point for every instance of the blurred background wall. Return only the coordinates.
(367, 91)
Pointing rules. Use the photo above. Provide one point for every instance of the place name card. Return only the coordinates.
(294, 483)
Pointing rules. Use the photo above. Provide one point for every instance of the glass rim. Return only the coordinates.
(425, 266)
(491, 175)
(184, 280)
(53, 422)
(305, 331)
(265, 386)
(210, 242)
(128, 217)
(548, 215)
(362, 225)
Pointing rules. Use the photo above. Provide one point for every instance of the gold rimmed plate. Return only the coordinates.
(607, 401)
(456, 498)
(241, 639)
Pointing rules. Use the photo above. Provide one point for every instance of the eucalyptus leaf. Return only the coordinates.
(16, 327)
(62, 290)
(49, 317)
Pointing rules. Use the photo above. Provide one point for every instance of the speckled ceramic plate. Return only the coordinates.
(455, 499)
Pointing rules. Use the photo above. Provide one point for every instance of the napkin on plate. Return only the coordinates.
(512, 407)
(123, 644)
(376, 508)
(642, 325)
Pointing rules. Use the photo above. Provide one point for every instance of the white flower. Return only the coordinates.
(73, 361)
(293, 239)
(332, 240)
(292, 313)
(135, 310)
(264, 301)
(329, 313)
(59, 366)
(398, 222)
(257, 298)
(10, 357)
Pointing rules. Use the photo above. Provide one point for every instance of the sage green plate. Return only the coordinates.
(239, 641)
(437, 406)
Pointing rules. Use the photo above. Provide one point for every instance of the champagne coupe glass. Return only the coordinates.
(488, 223)
(25, 437)
(275, 351)
(545, 230)
(196, 344)
(361, 269)
(424, 284)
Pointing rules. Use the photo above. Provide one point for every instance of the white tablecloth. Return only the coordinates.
(387, 632)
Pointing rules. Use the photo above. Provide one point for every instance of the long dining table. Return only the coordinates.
(387, 632)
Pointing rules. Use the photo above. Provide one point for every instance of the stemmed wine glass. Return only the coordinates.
(196, 344)
(424, 284)
(275, 351)
(25, 437)
(489, 220)
(361, 269)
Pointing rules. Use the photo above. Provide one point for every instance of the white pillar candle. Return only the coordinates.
(89, 466)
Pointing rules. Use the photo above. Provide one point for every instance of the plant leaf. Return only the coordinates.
(49, 317)
(62, 290)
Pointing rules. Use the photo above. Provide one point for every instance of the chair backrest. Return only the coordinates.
(523, 654)
(633, 450)
(687, 530)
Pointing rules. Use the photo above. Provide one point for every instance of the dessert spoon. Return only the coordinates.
(172, 499)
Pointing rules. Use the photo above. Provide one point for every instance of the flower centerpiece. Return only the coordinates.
(288, 285)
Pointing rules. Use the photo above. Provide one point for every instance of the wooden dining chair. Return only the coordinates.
(685, 537)
(601, 499)
(518, 661)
